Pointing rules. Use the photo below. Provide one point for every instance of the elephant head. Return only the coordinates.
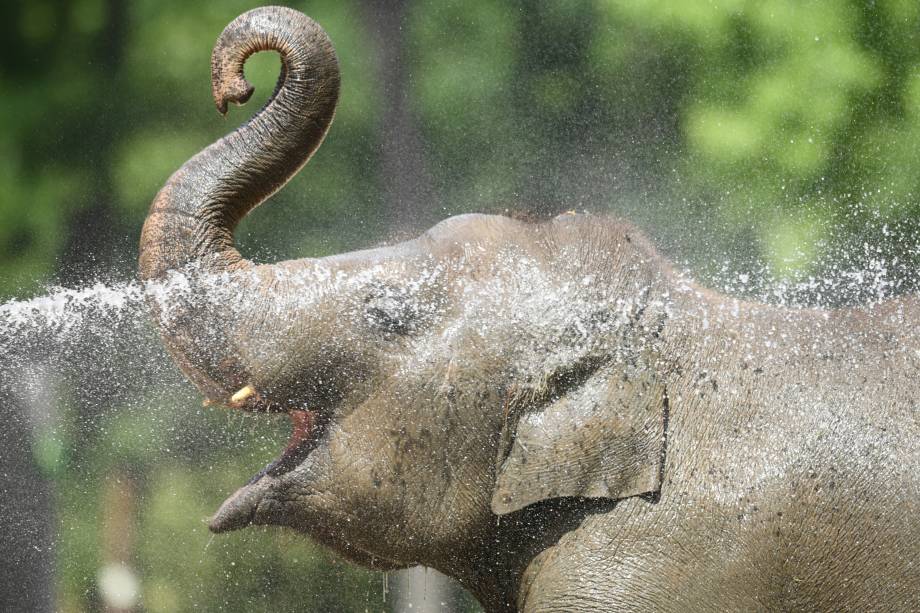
(443, 391)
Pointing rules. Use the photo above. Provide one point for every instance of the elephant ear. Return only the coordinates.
(593, 432)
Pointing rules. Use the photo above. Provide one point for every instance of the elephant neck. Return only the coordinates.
(500, 562)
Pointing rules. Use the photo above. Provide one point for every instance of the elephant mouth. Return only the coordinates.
(307, 427)
(306, 430)
(239, 510)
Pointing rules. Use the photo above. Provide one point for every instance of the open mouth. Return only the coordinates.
(238, 511)
(306, 428)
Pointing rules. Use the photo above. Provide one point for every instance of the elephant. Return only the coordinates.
(547, 411)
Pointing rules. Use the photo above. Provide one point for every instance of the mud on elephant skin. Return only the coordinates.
(547, 412)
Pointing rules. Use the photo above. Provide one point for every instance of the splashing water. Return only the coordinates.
(102, 326)
(64, 317)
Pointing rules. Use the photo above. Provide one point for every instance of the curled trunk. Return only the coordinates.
(193, 217)
(190, 224)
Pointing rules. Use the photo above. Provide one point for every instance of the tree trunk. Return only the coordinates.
(407, 191)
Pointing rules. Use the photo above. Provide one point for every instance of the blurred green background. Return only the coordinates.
(766, 145)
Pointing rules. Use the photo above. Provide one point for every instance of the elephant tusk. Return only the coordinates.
(242, 395)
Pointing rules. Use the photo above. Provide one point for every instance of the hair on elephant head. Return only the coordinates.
(546, 411)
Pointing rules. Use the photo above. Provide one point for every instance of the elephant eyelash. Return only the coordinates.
(401, 311)
(392, 310)
(388, 321)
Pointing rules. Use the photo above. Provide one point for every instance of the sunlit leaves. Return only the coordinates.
(776, 102)
(702, 19)
(725, 135)
(30, 219)
(466, 53)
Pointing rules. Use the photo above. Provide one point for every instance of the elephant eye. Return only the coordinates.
(392, 310)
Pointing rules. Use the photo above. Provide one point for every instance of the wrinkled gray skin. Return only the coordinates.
(546, 412)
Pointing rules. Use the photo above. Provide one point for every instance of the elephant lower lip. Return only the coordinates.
(239, 510)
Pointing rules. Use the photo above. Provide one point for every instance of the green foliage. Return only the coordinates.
(794, 110)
